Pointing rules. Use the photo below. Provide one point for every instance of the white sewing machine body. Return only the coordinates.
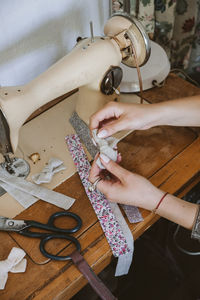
(84, 68)
(88, 67)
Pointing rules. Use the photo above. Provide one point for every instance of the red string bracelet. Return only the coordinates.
(157, 206)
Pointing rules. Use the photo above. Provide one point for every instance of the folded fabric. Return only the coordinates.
(54, 166)
(27, 193)
(107, 146)
(132, 212)
(15, 263)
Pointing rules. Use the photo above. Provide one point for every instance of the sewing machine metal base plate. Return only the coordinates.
(18, 167)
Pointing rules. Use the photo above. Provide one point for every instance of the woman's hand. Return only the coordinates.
(114, 117)
(123, 186)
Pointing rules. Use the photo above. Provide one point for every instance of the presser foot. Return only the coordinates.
(15, 166)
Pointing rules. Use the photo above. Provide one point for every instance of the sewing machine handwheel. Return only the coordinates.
(111, 80)
(136, 35)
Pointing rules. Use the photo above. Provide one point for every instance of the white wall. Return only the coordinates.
(36, 33)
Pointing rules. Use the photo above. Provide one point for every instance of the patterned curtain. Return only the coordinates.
(194, 62)
(174, 24)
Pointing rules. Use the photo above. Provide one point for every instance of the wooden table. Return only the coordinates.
(169, 157)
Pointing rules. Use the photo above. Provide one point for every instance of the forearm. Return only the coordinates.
(178, 211)
(180, 112)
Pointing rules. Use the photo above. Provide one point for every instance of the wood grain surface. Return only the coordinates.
(168, 156)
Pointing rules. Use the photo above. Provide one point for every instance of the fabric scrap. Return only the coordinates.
(15, 263)
(54, 166)
(107, 146)
(125, 260)
(27, 193)
(132, 212)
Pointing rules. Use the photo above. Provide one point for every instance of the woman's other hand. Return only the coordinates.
(123, 186)
(115, 117)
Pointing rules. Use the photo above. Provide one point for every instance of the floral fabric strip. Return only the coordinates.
(105, 146)
(107, 219)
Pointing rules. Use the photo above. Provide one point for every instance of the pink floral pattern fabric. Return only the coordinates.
(108, 221)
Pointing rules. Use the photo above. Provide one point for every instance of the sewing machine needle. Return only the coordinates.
(91, 32)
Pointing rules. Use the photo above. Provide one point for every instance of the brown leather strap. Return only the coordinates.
(137, 8)
(95, 282)
(139, 74)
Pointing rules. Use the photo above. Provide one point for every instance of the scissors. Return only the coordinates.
(23, 227)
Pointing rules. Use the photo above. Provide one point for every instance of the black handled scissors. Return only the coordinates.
(23, 227)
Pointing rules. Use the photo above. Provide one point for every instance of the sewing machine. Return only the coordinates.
(165, 155)
(92, 66)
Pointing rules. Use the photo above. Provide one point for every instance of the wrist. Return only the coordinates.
(178, 211)
(169, 114)
(154, 196)
(160, 114)
(152, 115)
(159, 203)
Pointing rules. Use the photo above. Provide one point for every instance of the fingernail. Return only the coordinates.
(105, 158)
(94, 142)
(96, 155)
(102, 134)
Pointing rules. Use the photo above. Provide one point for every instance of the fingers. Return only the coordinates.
(109, 188)
(114, 168)
(112, 128)
(105, 185)
(119, 157)
(109, 111)
(111, 166)
(94, 171)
